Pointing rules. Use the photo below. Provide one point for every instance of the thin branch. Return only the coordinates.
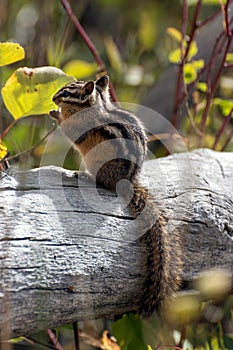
(208, 19)
(180, 79)
(54, 340)
(227, 24)
(41, 344)
(212, 84)
(195, 25)
(181, 89)
(89, 44)
(76, 337)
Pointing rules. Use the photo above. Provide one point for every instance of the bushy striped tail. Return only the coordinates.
(163, 263)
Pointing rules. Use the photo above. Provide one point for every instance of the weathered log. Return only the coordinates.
(65, 256)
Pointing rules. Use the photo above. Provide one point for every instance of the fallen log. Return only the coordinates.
(68, 254)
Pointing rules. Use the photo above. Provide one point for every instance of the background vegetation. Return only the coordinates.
(136, 46)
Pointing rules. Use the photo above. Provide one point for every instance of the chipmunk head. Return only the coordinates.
(75, 96)
(78, 93)
(83, 94)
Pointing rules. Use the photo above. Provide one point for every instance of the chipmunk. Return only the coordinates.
(122, 159)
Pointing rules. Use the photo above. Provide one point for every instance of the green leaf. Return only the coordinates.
(80, 69)
(129, 333)
(202, 87)
(16, 340)
(228, 341)
(225, 105)
(206, 2)
(10, 53)
(147, 30)
(29, 90)
(174, 33)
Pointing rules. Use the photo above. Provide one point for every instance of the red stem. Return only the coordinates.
(195, 25)
(179, 83)
(226, 8)
(89, 43)
(211, 87)
(54, 340)
(83, 34)
(180, 94)
(208, 19)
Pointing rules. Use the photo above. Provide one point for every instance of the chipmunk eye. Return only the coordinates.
(66, 93)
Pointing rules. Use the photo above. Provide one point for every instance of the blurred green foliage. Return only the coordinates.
(132, 40)
(132, 43)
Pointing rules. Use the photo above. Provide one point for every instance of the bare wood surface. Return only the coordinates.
(66, 256)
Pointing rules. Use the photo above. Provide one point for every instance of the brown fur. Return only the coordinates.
(163, 251)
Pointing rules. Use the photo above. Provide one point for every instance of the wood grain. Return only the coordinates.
(67, 254)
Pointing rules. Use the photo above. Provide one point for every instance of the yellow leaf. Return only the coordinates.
(229, 58)
(80, 69)
(174, 33)
(193, 50)
(190, 73)
(198, 64)
(202, 86)
(10, 53)
(29, 90)
(175, 56)
(3, 150)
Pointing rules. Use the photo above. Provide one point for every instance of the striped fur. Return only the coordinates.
(90, 112)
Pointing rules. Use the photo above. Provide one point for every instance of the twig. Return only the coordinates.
(181, 89)
(212, 84)
(226, 9)
(194, 27)
(180, 78)
(54, 340)
(76, 337)
(89, 44)
(41, 344)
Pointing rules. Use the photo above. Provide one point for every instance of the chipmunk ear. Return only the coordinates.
(103, 82)
(89, 87)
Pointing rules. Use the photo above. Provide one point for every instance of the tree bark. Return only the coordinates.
(67, 254)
